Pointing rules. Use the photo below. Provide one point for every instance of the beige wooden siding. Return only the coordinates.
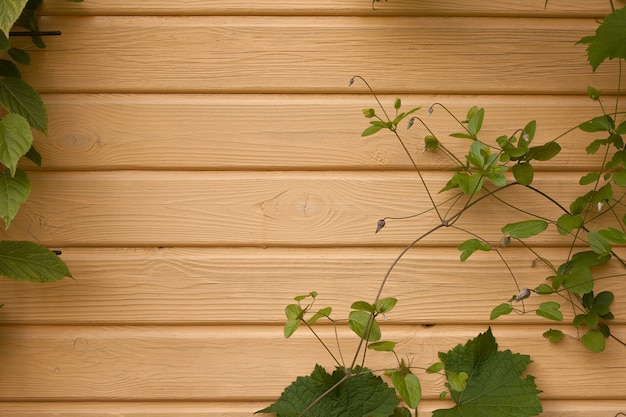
(204, 165)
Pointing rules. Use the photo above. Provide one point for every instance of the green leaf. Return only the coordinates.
(361, 395)
(619, 178)
(294, 312)
(409, 388)
(435, 367)
(597, 124)
(470, 246)
(15, 140)
(34, 156)
(385, 305)
(385, 346)
(567, 222)
(364, 325)
(593, 93)
(599, 244)
(19, 97)
(544, 289)
(613, 235)
(457, 382)
(9, 69)
(476, 122)
(594, 340)
(290, 327)
(14, 190)
(589, 178)
(544, 152)
(529, 131)
(553, 335)
(10, 11)
(19, 55)
(495, 386)
(324, 312)
(363, 306)
(523, 173)
(609, 40)
(525, 229)
(28, 261)
(501, 310)
(550, 310)
(578, 280)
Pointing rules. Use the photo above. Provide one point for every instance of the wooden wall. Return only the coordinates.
(204, 165)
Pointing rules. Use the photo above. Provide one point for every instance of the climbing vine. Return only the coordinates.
(480, 379)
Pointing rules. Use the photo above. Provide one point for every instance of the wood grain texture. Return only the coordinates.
(570, 408)
(171, 208)
(274, 132)
(329, 7)
(280, 55)
(252, 286)
(255, 363)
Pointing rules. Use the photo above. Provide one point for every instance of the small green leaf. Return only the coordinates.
(567, 222)
(431, 143)
(385, 305)
(385, 346)
(553, 335)
(15, 140)
(594, 340)
(476, 122)
(294, 312)
(550, 310)
(597, 124)
(397, 103)
(435, 367)
(544, 289)
(363, 306)
(290, 327)
(364, 325)
(501, 310)
(19, 55)
(409, 388)
(593, 93)
(529, 131)
(525, 229)
(523, 173)
(613, 235)
(28, 261)
(324, 312)
(470, 246)
(369, 113)
(14, 190)
(589, 178)
(598, 243)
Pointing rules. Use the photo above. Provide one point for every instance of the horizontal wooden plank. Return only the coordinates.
(219, 132)
(554, 408)
(172, 208)
(280, 55)
(223, 286)
(209, 363)
(328, 7)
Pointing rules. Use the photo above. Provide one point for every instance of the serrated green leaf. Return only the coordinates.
(470, 246)
(28, 261)
(361, 395)
(15, 140)
(525, 229)
(523, 173)
(14, 189)
(553, 335)
(409, 388)
(550, 310)
(19, 97)
(364, 325)
(495, 386)
(10, 11)
(609, 40)
(501, 310)
(594, 340)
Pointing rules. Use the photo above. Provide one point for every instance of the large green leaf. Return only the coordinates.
(361, 395)
(28, 261)
(13, 192)
(15, 140)
(495, 386)
(10, 11)
(19, 97)
(609, 40)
